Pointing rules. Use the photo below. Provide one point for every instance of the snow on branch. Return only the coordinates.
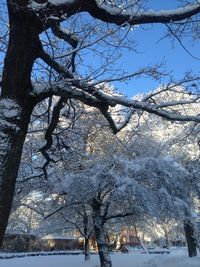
(151, 108)
(96, 97)
(60, 9)
(65, 34)
(135, 17)
(74, 86)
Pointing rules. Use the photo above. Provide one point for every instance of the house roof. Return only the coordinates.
(54, 236)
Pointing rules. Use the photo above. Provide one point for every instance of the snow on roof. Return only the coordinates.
(52, 236)
(58, 2)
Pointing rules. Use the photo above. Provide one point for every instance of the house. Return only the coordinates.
(129, 237)
(16, 242)
(60, 242)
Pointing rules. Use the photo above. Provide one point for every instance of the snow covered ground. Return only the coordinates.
(177, 258)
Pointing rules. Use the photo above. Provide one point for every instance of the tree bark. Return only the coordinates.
(104, 253)
(15, 104)
(23, 49)
(86, 248)
(166, 239)
(103, 249)
(190, 238)
(86, 234)
(12, 135)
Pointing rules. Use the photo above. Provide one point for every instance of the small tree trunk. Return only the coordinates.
(86, 235)
(86, 249)
(103, 249)
(166, 239)
(98, 222)
(190, 238)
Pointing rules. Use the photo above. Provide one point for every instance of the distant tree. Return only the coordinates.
(72, 216)
(106, 197)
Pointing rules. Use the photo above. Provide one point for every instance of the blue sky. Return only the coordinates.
(154, 51)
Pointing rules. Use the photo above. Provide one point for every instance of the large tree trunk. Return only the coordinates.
(190, 238)
(15, 104)
(13, 128)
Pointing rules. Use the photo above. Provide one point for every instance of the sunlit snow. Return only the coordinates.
(177, 258)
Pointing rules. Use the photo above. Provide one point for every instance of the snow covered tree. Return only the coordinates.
(121, 187)
(23, 88)
(154, 138)
(107, 197)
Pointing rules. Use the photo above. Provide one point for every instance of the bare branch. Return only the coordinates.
(48, 136)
